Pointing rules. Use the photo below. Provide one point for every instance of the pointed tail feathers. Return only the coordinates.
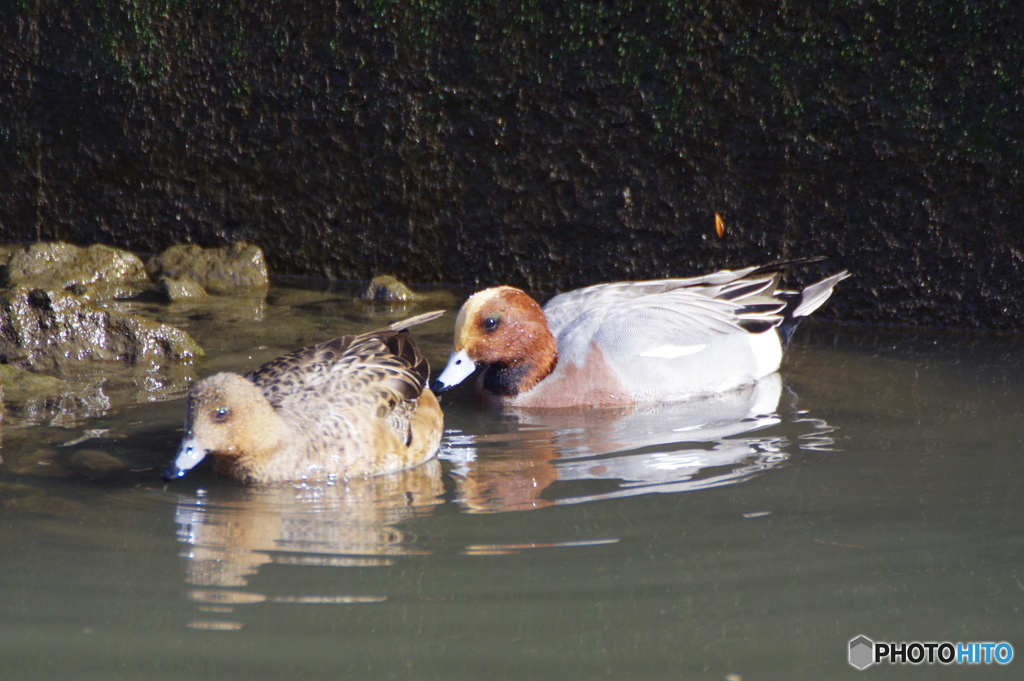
(414, 321)
(815, 295)
(800, 304)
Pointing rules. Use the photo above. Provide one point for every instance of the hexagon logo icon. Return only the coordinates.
(862, 652)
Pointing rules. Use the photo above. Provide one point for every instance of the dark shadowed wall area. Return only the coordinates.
(543, 144)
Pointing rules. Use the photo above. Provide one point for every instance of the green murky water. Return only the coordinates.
(875, 490)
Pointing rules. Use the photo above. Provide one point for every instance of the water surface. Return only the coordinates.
(874, 489)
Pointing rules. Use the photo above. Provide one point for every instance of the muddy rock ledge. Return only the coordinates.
(386, 288)
(236, 270)
(96, 272)
(42, 330)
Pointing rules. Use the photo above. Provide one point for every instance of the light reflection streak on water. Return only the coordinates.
(536, 459)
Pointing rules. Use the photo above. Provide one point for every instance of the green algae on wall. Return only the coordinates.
(545, 145)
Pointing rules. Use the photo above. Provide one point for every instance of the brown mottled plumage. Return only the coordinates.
(353, 406)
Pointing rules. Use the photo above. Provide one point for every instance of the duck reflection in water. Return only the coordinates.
(229, 533)
(569, 456)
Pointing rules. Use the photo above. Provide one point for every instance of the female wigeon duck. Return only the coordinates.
(629, 342)
(352, 406)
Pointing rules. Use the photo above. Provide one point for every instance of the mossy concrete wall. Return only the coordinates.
(548, 145)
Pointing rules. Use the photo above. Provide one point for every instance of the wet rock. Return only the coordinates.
(386, 289)
(20, 381)
(95, 463)
(34, 462)
(7, 250)
(14, 491)
(43, 504)
(9, 490)
(100, 271)
(28, 393)
(177, 290)
(43, 330)
(238, 269)
(87, 390)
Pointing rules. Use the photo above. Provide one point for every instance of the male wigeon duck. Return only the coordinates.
(353, 406)
(629, 342)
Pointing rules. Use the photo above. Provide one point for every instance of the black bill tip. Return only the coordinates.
(172, 473)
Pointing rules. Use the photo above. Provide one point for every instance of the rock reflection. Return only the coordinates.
(87, 392)
(556, 457)
(229, 533)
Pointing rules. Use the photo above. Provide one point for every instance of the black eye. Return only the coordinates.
(491, 323)
(221, 414)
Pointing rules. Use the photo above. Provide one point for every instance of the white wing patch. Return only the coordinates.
(673, 351)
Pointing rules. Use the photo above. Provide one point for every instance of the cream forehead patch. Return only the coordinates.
(469, 311)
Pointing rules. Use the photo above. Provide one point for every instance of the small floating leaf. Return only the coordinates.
(719, 226)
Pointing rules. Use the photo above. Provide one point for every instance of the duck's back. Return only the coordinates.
(674, 338)
(351, 404)
(360, 367)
